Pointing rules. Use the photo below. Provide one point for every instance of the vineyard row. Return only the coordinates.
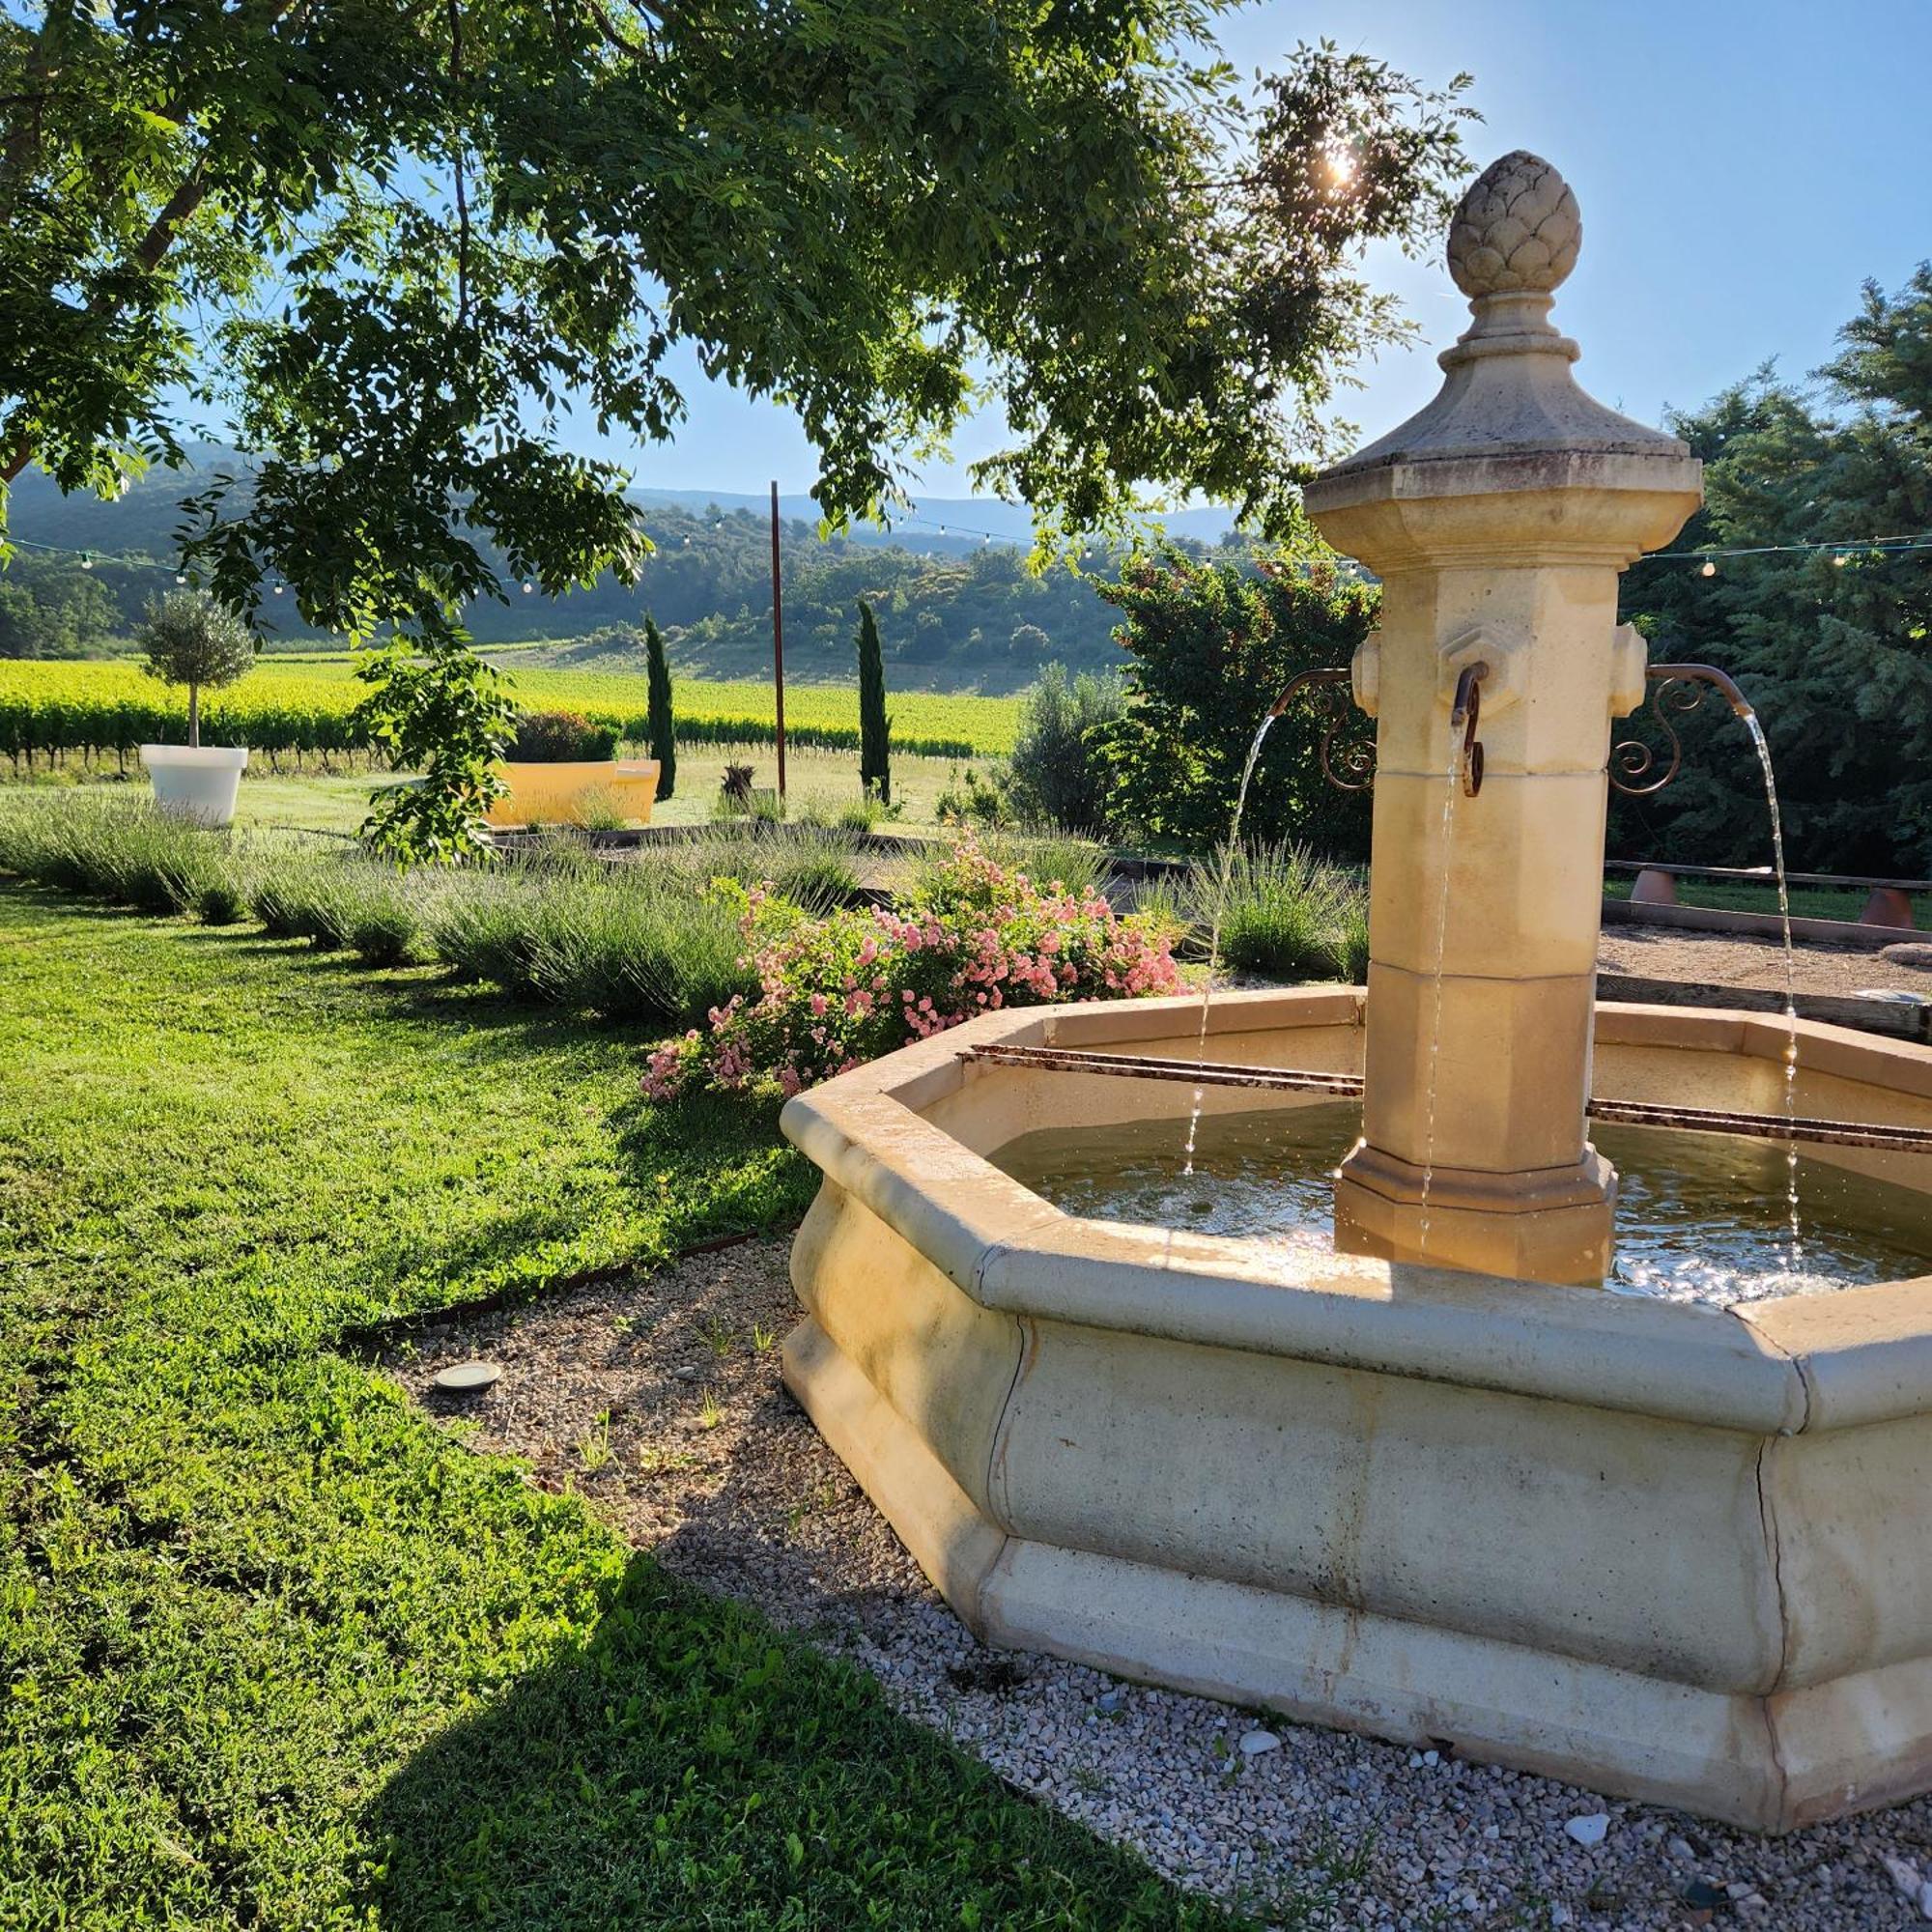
(41, 728)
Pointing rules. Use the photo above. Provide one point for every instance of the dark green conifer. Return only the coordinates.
(875, 727)
(656, 700)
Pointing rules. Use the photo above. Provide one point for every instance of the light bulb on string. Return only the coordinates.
(1710, 569)
(87, 559)
(1839, 560)
(179, 577)
(529, 589)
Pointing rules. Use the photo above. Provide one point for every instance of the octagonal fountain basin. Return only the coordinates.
(1668, 1542)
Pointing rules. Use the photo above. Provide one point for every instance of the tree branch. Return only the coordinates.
(462, 194)
(23, 137)
(149, 252)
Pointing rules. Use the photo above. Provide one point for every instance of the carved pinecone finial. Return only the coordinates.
(1515, 231)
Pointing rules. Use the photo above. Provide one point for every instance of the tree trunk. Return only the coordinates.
(194, 715)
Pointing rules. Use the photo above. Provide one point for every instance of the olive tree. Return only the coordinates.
(189, 638)
(396, 250)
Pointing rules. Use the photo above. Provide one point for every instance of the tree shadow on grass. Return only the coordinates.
(706, 1168)
(690, 1767)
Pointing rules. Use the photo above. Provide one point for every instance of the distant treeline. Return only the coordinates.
(976, 618)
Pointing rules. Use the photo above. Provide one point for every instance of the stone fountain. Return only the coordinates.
(1435, 1483)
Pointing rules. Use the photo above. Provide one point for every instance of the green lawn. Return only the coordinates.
(277, 1651)
(338, 801)
(1746, 896)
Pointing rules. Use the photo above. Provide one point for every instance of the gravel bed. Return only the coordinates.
(1712, 959)
(658, 1398)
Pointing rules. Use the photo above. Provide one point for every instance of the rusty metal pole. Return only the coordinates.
(778, 643)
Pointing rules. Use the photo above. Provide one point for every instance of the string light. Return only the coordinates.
(1841, 552)
(1707, 560)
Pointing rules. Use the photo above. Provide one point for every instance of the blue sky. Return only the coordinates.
(1743, 166)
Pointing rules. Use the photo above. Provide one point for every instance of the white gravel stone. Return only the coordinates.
(1332, 1831)
(1255, 1743)
(1589, 1829)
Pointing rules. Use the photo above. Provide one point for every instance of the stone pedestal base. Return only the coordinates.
(1551, 1225)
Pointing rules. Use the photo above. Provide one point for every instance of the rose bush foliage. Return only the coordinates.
(842, 989)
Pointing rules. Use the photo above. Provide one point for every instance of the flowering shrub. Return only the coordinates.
(845, 988)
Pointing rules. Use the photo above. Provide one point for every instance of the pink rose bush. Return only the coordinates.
(839, 990)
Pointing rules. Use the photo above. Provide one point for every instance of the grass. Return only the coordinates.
(822, 788)
(1741, 895)
(281, 1654)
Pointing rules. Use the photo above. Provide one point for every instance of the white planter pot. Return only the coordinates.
(196, 781)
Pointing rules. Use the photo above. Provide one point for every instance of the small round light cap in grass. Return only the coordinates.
(468, 1377)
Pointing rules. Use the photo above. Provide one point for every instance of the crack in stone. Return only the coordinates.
(1773, 1551)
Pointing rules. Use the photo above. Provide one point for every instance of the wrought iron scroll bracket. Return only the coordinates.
(1675, 688)
(1348, 749)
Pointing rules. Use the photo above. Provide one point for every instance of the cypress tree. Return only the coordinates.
(875, 727)
(656, 700)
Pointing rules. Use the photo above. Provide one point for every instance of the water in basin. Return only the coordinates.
(1700, 1217)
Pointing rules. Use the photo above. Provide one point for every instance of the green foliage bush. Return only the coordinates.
(1053, 777)
(970, 799)
(561, 738)
(1829, 644)
(637, 942)
(640, 941)
(1212, 649)
(222, 900)
(974, 936)
(866, 815)
(281, 892)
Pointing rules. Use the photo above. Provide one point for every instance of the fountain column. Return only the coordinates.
(1499, 520)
